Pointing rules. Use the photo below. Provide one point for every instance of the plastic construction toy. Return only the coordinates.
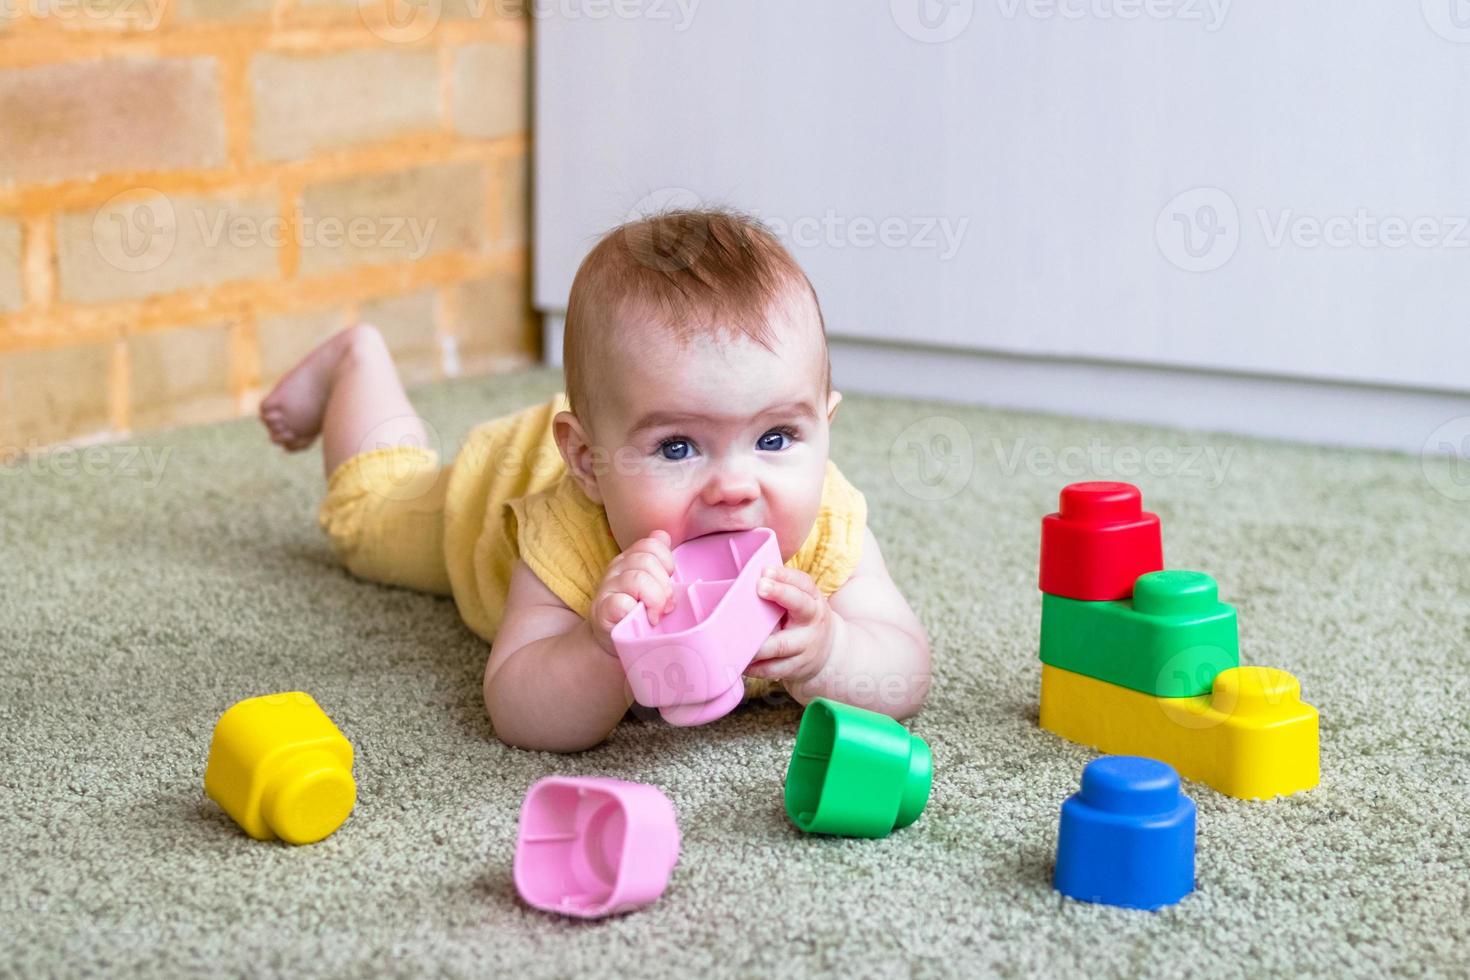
(1251, 737)
(1099, 542)
(1128, 837)
(589, 847)
(1169, 640)
(855, 772)
(689, 666)
(281, 769)
(1159, 675)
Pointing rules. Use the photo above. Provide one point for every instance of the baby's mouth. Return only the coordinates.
(724, 526)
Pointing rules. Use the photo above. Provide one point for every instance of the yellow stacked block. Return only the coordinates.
(1251, 737)
(280, 768)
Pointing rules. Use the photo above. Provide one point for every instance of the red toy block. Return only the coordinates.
(1100, 541)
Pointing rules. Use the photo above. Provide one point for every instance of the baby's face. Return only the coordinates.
(715, 437)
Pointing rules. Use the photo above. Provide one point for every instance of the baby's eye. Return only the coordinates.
(772, 440)
(675, 450)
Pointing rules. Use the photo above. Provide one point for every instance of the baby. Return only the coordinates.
(698, 399)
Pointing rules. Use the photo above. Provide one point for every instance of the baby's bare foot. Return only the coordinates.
(292, 413)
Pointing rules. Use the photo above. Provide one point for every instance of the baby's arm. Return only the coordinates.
(879, 655)
(549, 685)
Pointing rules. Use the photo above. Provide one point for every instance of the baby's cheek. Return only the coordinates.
(793, 522)
(637, 511)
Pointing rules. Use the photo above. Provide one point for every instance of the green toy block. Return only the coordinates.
(1169, 640)
(855, 772)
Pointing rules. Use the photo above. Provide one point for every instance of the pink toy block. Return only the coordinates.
(589, 846)
(689, 666)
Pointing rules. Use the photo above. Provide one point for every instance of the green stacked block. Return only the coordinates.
(1169, 640)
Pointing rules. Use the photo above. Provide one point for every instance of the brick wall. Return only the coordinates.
(194, 192)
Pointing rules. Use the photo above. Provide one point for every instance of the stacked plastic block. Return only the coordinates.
(1141, 661)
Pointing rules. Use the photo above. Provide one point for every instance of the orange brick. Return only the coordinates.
(143, 243)
(490, 90)
(511, 221)
(486, 10)
(100, 15)
(417, 18)
(54, 394)
(285, 340)
(10, 275)
(197, 11)
(496, 327)
(391, 218)
(180, 376)
(119, 114)
(407, 324)
(307, 103)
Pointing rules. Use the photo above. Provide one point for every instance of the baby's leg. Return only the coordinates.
(347, 391)
(384, 512)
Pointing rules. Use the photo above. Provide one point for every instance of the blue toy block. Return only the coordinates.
(1127, 838)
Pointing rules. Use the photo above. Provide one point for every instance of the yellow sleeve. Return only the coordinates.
(835, 544)
(563, 536)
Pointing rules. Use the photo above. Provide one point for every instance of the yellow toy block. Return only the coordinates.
(280, 768)
(1251, 737)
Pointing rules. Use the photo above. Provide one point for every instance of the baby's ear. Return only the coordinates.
(833, 400)
(577, 452)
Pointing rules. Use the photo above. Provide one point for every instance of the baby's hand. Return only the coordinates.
(801, 647)
(643, 573)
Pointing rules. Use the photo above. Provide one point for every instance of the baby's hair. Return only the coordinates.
(706, 271)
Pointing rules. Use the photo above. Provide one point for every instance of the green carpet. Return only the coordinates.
(145, 588)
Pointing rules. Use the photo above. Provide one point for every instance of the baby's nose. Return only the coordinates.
(730, 486)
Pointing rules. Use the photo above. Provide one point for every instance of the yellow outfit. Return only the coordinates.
(394, 515)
